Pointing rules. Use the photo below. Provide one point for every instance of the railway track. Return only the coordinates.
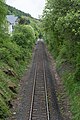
(39, 101)
(39, 104)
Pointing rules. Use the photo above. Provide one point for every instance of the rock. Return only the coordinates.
(12, 86)
(10, 104)
(9, 72)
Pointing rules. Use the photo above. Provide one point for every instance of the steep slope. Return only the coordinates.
(14, 56)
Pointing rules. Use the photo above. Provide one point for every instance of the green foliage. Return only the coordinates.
(24, 20)
(14, 58)
(61, 27)
(16, 12)
(15, 55)
(24, 36)
(70, 25)
(4, 110)
(61, 24)
(10, 55)
(77, 71)
(73, 89)
(3, 11)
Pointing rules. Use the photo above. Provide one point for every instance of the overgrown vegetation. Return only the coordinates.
(61, 23)
(15, 55)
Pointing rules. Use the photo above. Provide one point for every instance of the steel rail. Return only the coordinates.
(46, 94)
(33, 93)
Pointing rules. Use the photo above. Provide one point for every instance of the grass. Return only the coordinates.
(71, 83)
(73, 89)
(6, 94)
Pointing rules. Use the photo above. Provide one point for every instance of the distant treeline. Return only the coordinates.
(19, 13)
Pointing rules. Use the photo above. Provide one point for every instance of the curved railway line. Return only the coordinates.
(40, 101)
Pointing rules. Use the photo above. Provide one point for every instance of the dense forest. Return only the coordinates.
(16, 12)
(15, 54)
(61, 27)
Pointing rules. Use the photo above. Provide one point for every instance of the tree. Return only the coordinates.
(61, 26)
(61, 17)
(3, 11)
(24, 36)
(24, 20)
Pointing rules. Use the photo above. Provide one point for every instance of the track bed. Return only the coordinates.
(39, 101)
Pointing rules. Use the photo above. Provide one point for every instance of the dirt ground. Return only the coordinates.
(62, 97)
